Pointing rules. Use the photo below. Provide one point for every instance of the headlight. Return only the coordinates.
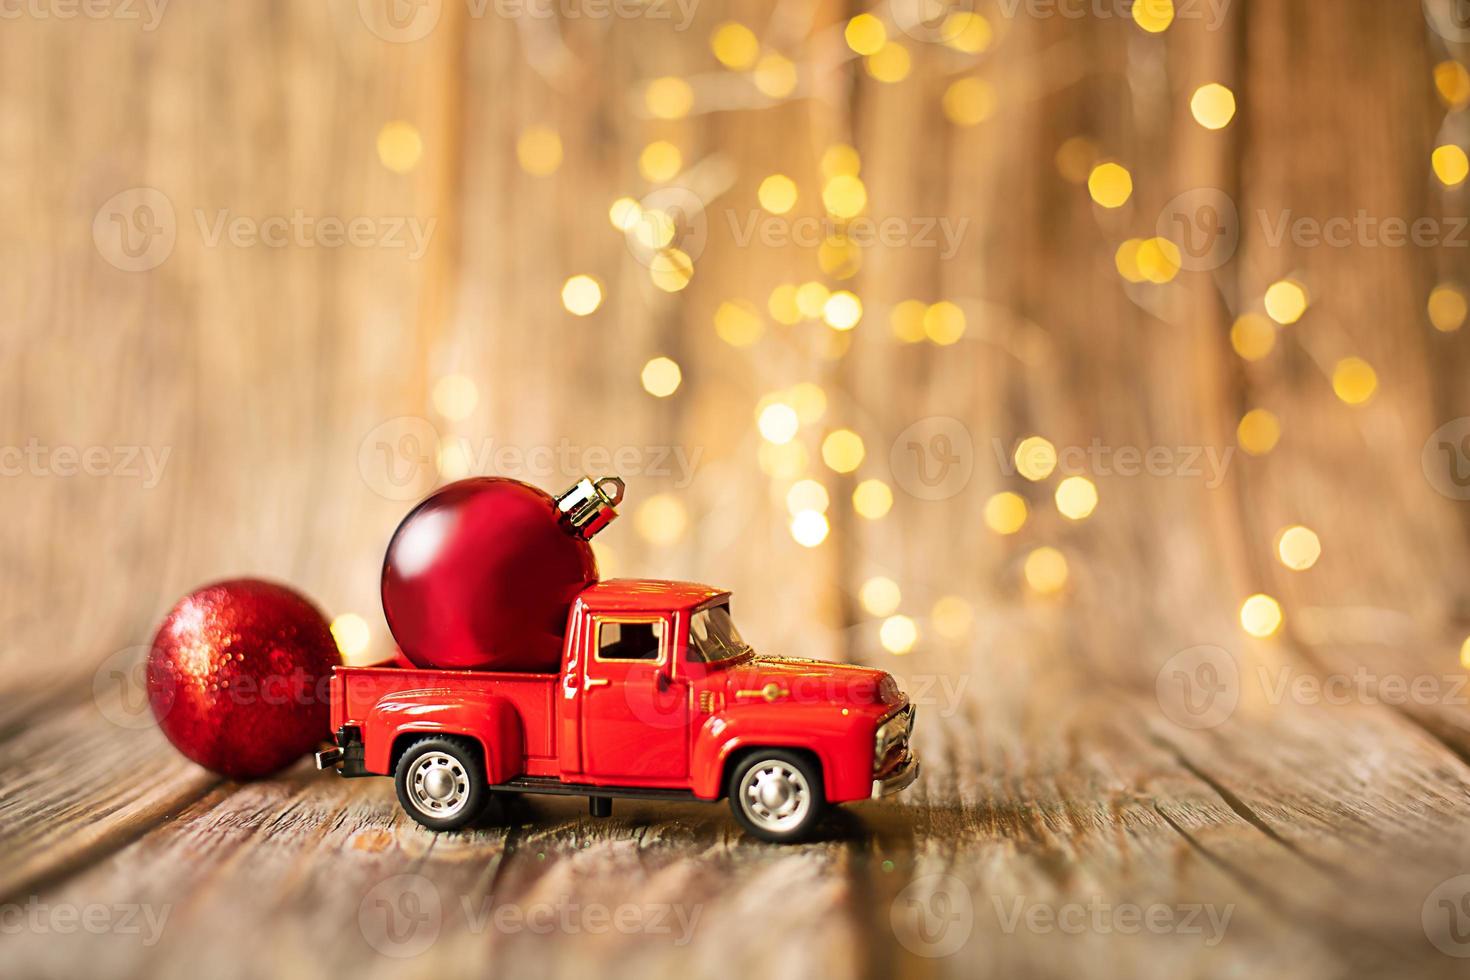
(891, 734)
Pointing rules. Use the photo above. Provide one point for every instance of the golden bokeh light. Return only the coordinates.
(842, 311)
(400, 147)
(952, 617)
(807, 495)
(898, 634)
(809, 528)
(351, 633)
(625, 213)
(661, 519)
(865, 34)
(811, 299)
(1126, 260)
(1213, 106)
(890, 63)
(738, 323)
(872, 499)
(840, 257)
(669, 97)
(734, 45)
(1465, 653)
(671, 270)
(1035, 458)
(1286, 301)
(841, 160)
(880, 596)
(1258, 432)
(843, 450)
(844, 196)
(1447, 308)
(455, 397)
(966, 31)
(1253, 336)
(1005, 512)
(1154, 16)
(660, 161)
(906, 319)
(1158, 260)
(775, 76)
(1046, 571)
(1260, 616)
(539, 150)
(581, 295)
(944, 323)
(809, 400)
(1450, 164)
(1110, 185)
(1298, 547)
(777, 193)
(1076, 498)
(1354, 380)
(782, 304)
(969, 101)
(777, 423)
(1452, 82)
(661, 377)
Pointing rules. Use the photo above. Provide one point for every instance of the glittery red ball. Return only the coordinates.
(238, 675)
(481, 576)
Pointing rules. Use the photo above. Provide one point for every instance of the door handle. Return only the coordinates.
(596, 682)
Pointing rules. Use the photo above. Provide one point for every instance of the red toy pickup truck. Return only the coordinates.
(657, 698)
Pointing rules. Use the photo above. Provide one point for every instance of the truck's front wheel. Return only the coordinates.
(777, 795)
(441, 782)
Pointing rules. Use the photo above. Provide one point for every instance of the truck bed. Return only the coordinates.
(358, 689)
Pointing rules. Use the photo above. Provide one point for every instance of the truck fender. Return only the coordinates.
(714, 744)
(491, 721)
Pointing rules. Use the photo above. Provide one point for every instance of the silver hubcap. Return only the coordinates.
(438, 785)
(775, 795)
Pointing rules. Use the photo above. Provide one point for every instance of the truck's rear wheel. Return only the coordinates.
(777, 795)
(441, 782)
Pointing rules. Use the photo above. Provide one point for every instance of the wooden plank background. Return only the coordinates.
(1329, 830)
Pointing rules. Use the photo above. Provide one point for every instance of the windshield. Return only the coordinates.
(713, 636)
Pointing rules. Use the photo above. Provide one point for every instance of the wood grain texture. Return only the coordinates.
(280, 392)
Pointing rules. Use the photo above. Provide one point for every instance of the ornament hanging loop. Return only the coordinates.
(588, 506)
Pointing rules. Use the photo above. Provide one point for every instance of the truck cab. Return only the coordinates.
(658, 697)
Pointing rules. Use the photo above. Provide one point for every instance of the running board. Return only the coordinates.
(555, 787)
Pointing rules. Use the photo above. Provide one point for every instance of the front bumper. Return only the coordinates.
(899, 779)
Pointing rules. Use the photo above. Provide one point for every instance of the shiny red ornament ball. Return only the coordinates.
(481, 575)
(238, 675)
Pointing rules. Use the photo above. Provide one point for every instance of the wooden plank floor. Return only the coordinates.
(1081, 833)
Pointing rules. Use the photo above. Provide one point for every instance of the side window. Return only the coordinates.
(629, 641)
